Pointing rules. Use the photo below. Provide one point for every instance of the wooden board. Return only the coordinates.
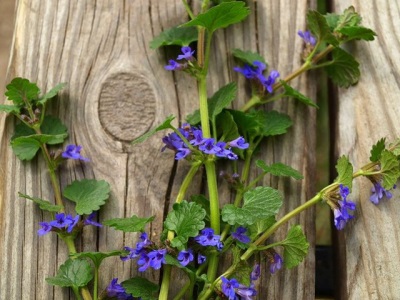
(369, 247)
(118, 89)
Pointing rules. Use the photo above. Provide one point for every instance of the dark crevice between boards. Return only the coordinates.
(324, 251)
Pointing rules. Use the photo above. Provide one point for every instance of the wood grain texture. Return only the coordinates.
(369, 247)
(118, 89)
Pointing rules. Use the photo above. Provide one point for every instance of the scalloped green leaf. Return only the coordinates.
(88, 194)
(258, 204)
(132, 224)
(51, 94)
(345, 172)
(274, 123)
(226, 126)
(181, 36)
(248, 57)
(291, 92)
(377, 149)
(73, 273)
(348, 18)
(279, 169)
(98, 257)
(25, 148)
(344, 69)
(10, 109)
(186, 220)
(296, 247)
(320, 28)
(141, 288)
(43, 204)
(357, 33)
(165, 125)
(20, 90)
(390, 169)
(221, 16)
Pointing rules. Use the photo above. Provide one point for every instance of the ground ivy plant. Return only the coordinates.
(198, 232)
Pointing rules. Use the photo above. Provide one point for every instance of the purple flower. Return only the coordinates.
(61, 221)
(255, 274)
(72, 222)
(307, 37)
(378, 192)
(46, 227)
(208, 238)
(74, 152)
(140, 248)
(239, 143)
(144, 261)
(114, 289)
(173, 66)
(182, 153)
(341, 213)
(247, 71)
(270, 81)
(187, 53)
(89, 220)
(157, 258)
(276, 263)
(197, 137)
(246, 293)
(228, 287)
(208, 146)
(240, 235)
(185, 257)
(201, 259)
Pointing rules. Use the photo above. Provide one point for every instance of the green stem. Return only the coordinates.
(96, 282)
(182, 292)
(188, 10)
(76, 292)
(254, 101)
(165, 283)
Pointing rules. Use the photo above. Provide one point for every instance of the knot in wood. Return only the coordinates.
(127, 106)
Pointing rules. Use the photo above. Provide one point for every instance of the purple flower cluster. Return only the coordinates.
(208, 238)
(341, 213)
(187, 54)
(256, 72)
(194, 137)
(115, 290)
(74, 152)
(307, 37)
(240, 235)
(378, 192)
(235, 290)
(185, 257)
(65, 222)
(153, 258)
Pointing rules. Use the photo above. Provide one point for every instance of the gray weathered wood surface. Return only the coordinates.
(369, 249)
(118, 89)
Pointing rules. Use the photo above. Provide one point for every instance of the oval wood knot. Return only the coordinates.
(127, 106)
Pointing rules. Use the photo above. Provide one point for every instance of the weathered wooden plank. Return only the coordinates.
(369, 247)
(117, 89)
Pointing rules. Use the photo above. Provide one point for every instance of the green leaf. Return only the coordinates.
(320, 28)
(349, 18)
(248, 57)
(248, 123)
(377, 149)
(274, 123)
(226, 126)
(357, 33)
(186, 219)
(25, 148)
(279, 169)
(204, 203)
(291, 92)
(221, 99)
(344, 69)
(390, 169)
(10, 109)
(181, 36)
(53, 126)
(258, 204)
(73, 273)
(332, 20)
(395, 147)
(296, 247)
(345, 172)
(132, 224)
(88, 194)
(261, 226)
(165, 125)
(141, 287)
(98, 257)
(20, 90)
(221, 16)
(43, 204)
(50, 94)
